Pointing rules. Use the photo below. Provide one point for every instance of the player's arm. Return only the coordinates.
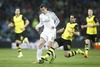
(26, 22)
(55, 18)
(60, 30)
(88, 25)
(76, 31)
(85, 25)
(97, 22)
(93, 25)
(39, 25)
(11, 24)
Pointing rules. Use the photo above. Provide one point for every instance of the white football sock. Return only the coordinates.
(39, 53)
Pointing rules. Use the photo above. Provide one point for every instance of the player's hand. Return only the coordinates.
(70, 31)
(82, 26)
(10, 25)
(23, 28)
(52, 27)
(37, 29)
(89, 25)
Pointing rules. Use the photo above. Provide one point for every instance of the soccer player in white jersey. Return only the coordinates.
(50, 21)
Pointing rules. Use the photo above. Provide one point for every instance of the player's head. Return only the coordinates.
(90, 12)
(72, 18)
(17, 11)
(43, 8)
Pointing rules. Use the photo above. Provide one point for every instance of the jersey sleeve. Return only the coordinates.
(40, 23)
(12, 20)
(55, 18)
(84, 22)
(24, 18)
(64, 26)
(96, 19)
(76, 28)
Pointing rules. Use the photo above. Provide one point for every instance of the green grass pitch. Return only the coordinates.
(8, 58)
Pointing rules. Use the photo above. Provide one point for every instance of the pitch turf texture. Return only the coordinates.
(8, 58)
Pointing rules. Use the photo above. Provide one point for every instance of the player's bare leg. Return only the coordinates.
(39, 50)
(87, 46)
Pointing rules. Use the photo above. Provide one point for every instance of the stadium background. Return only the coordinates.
(30, 9)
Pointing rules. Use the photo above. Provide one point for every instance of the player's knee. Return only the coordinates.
(55, 45)
(40, 45)
(48, 46)
(87, 41)
(17, 44)
(66, 55)
(18, 41)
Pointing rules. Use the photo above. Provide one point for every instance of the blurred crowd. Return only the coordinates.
(30, 9)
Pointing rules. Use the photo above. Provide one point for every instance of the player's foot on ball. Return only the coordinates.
(41, 61)
(44, 58)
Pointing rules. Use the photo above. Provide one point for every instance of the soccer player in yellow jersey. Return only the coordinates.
(91, 31)
(20, 23)
(65, 40)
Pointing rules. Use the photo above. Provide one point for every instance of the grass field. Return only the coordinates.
(8, 58)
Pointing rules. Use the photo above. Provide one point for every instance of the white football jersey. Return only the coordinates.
(48, 20)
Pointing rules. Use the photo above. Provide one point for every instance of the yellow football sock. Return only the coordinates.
(86, 51)
(25, 40)
(72, 53)
(49, 52)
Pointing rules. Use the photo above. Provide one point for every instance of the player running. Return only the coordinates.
(50, 21)
(20, 23)
(91, 31)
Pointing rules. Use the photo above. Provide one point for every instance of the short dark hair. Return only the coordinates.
(17, 8)
(43, 5)
(90, 9)
(74, 15)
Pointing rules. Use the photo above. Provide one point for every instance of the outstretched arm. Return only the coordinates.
(76, 32)
(10, 24)
(60, 30)
(39, 25)
(26, 23)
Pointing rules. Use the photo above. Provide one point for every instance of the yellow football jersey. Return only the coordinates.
(67, 35)
(91, 30)
(19, 23)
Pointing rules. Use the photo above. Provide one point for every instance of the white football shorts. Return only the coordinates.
(49, 35)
